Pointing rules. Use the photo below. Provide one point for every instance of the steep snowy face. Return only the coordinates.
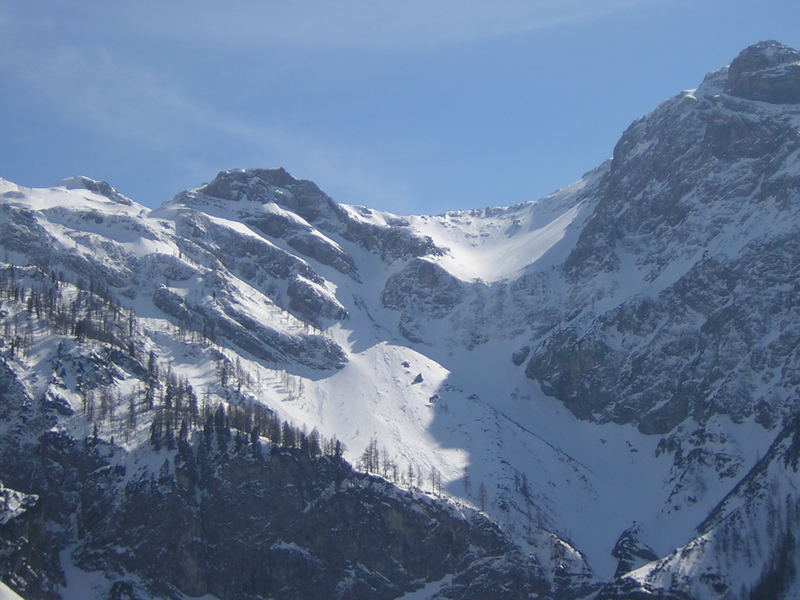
(498, 275)
(691, 258)
(699, 170)
(209, 275)
(502, 243)
(746, 547)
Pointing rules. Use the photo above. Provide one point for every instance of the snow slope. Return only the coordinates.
(475, 415)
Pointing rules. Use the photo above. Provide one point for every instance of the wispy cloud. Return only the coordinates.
(82, 60)
(344, 23)
(130, 102)
(411, 23)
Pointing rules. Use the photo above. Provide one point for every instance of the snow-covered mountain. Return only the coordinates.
(591, 393)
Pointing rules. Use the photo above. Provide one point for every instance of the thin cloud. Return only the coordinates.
(80, 59)
(126, 100)
(322, 23)
(358, 23)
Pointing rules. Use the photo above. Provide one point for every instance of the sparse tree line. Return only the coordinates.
(238, 429)
(169, 402)
(377, 461)
(241, 423)
(91, 312)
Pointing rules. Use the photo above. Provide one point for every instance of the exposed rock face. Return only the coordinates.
(304, 199)
(20, 538)
(718, 316)
(254, 252)
(279, 541)
(29, 560)
(301, 197)
(767, 71)
(631, 552)
(422, 288)
(632, 365)
(13, 504)
(312, 303)
(693, 158)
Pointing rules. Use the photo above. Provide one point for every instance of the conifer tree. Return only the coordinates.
(255, 442)
(156, 431)
(482, 496)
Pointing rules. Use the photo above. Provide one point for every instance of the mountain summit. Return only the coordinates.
(767, 71)
(254, 391)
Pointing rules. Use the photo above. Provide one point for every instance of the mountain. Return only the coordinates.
(254, 391)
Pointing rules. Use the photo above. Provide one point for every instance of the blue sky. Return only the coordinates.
(412, 107)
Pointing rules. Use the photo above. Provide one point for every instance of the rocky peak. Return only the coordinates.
(272, 185)
(234, 184)
(98, 187)
(306, 200)
(764, 55)
(767, 71)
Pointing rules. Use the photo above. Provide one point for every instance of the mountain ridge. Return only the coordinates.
(640, 325)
